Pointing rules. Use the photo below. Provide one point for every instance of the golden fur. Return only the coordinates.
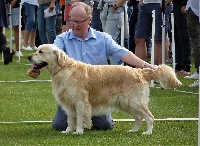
(84, 90)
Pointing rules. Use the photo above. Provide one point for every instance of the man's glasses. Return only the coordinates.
(73, 22)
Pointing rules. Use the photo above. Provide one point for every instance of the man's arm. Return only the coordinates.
(118, 4)
(133, 60)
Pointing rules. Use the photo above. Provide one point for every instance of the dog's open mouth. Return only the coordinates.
(39, 66)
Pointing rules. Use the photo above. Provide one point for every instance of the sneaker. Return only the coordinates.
(193, 76)
(34, 48)
(18, 53)
(195, 84)
(27, 48)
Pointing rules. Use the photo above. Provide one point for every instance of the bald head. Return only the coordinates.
(81, 8)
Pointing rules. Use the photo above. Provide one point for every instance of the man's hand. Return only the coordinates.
(113, 9)
(183, 10)
(151, 66)
(52, 6)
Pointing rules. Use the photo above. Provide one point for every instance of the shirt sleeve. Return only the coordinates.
(59, 42)
(114, 50)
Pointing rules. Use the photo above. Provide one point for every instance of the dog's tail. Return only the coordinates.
(164, 74)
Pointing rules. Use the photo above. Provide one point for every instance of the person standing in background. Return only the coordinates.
(7, 56)
(144, 27)
(193, 13)
(46, 26)
(182, 39)
(96, 21)
(110, 15)
(30, 24)
(15, 11)
(133, 16)
(3, 22)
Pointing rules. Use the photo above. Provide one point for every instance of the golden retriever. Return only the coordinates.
(84, 90)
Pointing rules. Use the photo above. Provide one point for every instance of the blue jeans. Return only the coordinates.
(104, 122)
(46, 26)
(31, 16)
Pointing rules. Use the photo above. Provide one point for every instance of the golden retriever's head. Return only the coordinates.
(47, 54)
(167, 77)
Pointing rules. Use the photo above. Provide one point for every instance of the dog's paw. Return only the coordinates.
(66, 132)
(146, 133)
(78, 133)
(132, 130)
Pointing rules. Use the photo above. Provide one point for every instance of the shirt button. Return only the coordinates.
(84, 53)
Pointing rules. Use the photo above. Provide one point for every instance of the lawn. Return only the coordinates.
(33, 101)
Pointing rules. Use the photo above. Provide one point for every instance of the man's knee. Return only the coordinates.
(103, 126)
(60, 120)
(59, 125)
(103, 122)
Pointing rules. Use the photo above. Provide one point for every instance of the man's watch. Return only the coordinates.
(144, 64)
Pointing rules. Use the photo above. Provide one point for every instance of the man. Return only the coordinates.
(182, 38)
(46, 25)
(193, 14)
(85, 44)
(144, 27)
(7, 56)
(15, 8)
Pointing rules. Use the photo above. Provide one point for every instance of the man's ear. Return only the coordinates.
(90, 20)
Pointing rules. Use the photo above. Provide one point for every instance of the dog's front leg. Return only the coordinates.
(80, 119)
(71, 120)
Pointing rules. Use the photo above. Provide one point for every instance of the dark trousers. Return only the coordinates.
(194, 31)
(132, 23)
(2, 39)
(96, 21)
(182, 40)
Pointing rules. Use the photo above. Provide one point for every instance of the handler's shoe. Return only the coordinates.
(195, 84)
(193, 76)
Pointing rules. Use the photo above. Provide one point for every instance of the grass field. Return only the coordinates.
(33, 101)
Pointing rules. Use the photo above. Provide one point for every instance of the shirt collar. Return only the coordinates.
(91, 34)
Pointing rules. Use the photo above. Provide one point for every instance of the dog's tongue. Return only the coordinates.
(34, 67)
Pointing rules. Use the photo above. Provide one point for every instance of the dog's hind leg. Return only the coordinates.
(149, 120)
(140, 113)
(138, 120)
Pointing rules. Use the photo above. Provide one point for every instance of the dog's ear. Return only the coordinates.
(61, 57)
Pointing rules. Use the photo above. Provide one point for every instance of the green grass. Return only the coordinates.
(33, 101)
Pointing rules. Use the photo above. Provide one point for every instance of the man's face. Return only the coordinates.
(79, 21)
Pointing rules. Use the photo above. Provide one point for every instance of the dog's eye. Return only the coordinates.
(41, 51)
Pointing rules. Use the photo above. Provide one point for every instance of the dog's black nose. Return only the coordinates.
(29, 57)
